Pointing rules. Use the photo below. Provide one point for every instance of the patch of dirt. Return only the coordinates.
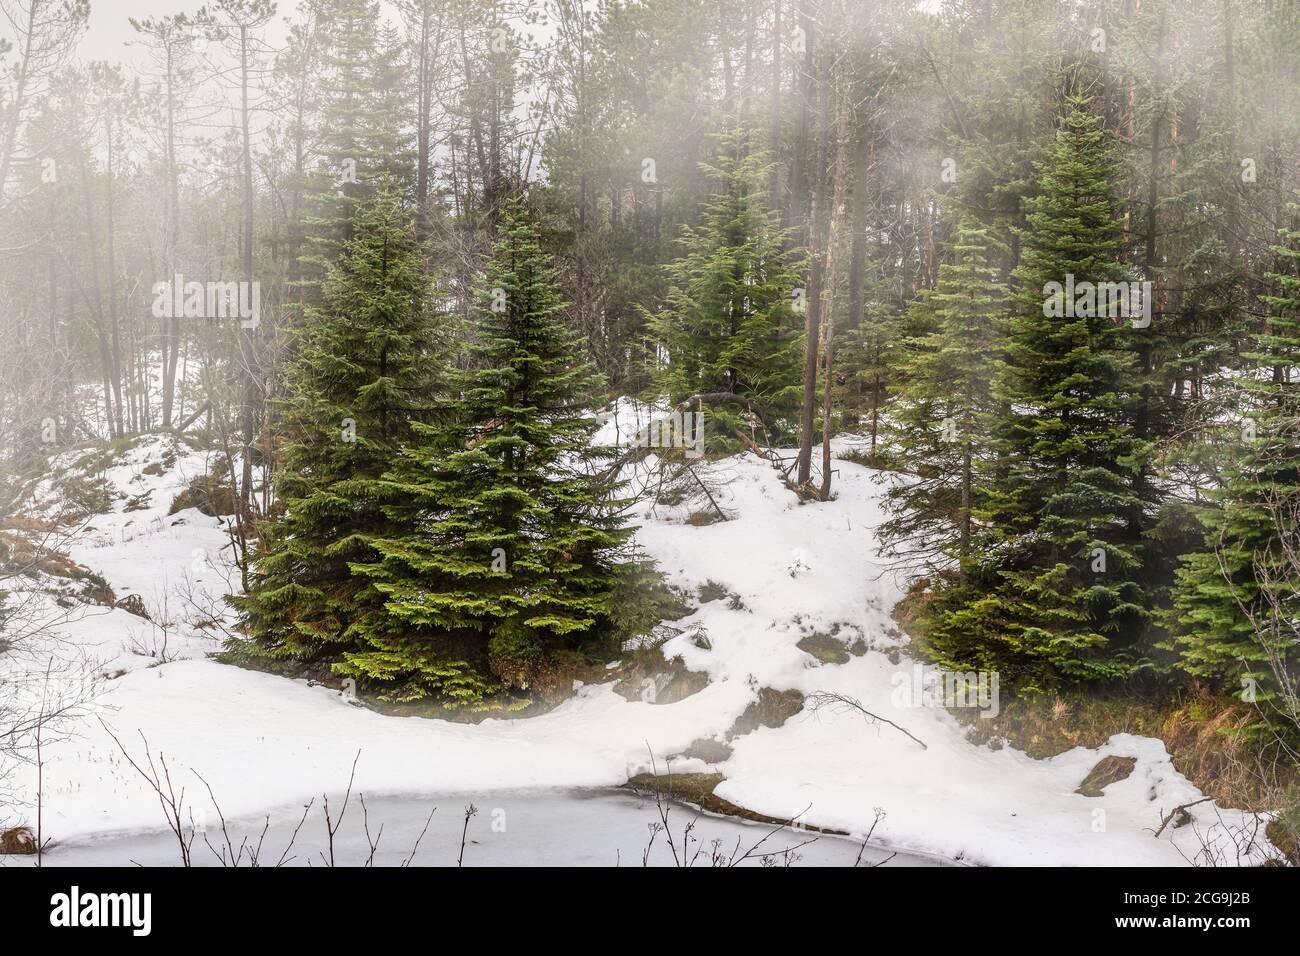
(1204, 733)
(699, 519)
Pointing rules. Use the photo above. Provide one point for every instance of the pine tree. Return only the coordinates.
(1053, 588)
(360, 377)
(1221, 588)
(507, 539)
(946, 407)
(361, 137)
(729, 324)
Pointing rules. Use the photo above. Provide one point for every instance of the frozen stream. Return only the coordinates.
(511, 828)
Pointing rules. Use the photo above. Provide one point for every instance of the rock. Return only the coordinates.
(19, 840)
(772, 709)
(1109, 770)
(662, 682)
(211, 495)
(708, 750)
(825, 648)
(133, 604)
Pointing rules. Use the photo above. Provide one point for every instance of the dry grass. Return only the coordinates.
(1203, 732)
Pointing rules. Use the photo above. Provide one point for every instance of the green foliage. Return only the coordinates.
(361, 140)
(729, 324)
(1053, 589)
(360, 378)
(1236, 596)
(506, 538)
(946, 408)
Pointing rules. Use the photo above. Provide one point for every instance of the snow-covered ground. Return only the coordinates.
(265, 743)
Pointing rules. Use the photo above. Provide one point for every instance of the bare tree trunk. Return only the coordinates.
(115, 343)
(172, 325)
(423, 121)
(813, 296)
(17, 102)
(95, 300)
(832, 242)
(774, 122)
(247, 345)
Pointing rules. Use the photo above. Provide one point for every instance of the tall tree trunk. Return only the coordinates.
(172, 325)
(862, 157)
(247, 344)
(774, 121)
(1233, 213)
(424, 98)
(832, 242)
(813, 297)
(115, 343)
(795, 218)
(18, 100)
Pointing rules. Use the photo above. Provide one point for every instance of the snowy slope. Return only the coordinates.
(789, 570)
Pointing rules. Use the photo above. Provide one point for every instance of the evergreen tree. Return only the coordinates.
(946, 406)
(360, 377)
(1053, 587)
(1244, 566)
(729, 325)
(507, 539)
(361, 138)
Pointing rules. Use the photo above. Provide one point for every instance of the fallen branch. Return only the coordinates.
(822, 699)
(1174, 812)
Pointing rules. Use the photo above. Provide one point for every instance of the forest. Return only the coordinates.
(1021, 275)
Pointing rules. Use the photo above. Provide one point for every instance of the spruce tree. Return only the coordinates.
(1052, 590)
(361, 375)
(360, 140)
(1244, 568)
(508, 541)
(946, 407)
(729, 324)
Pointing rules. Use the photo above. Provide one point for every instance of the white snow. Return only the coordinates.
(264, 742)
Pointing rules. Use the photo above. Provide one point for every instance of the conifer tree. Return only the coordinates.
(1221, 588)
(729, 324)
(360, 377)
(361, 138)
(946, 407)
(1053, 588)
(508, 541)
